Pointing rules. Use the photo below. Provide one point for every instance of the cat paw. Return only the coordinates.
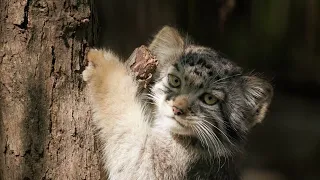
(95, 57)
(87, 73)
(99, 62)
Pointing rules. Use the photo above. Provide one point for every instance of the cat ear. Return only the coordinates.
(258, 94)
(167, 45)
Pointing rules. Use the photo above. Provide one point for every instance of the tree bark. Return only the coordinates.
(45, 129)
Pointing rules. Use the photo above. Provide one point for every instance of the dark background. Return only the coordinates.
(277, 37)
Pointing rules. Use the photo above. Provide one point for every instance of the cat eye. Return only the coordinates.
(209, 99)
(174, 81)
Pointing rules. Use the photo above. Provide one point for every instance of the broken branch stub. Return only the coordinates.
(144, 66)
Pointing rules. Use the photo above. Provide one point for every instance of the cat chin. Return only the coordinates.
(167, 122)
(182, 131)
(170, 124)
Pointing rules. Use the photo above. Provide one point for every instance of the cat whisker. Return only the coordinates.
(216, 139)
(152, 96)
(209, 136)
(203, 139)
(228, 139)
(223, 148)
(221, 145)
(204, 118)
(208, 133)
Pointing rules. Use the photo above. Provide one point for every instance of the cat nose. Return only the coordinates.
(180, 105)
(177, 111)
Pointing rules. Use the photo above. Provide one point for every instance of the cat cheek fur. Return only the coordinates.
(163, 109)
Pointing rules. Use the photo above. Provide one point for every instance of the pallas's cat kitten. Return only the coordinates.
(193, 124)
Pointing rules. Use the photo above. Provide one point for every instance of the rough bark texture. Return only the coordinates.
(144, 65)
(45, 130)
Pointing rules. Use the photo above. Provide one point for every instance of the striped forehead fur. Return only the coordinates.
(207, 63)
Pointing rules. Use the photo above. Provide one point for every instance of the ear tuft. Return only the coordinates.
(167, 45)
(258, 94)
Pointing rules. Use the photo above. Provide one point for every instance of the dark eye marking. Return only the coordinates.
(169, 96)
(177, 67)
(203, 109)
(168, 89)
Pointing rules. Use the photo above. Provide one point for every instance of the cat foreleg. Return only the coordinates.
(112, 90)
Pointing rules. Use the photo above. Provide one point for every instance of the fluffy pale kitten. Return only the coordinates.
(194, 124)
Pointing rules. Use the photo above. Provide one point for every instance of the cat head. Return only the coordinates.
(201, 94)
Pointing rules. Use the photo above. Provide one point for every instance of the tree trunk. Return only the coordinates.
(45, 130)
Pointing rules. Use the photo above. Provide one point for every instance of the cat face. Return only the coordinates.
(200, 94)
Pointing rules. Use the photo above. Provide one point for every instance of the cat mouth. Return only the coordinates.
(178, 121)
